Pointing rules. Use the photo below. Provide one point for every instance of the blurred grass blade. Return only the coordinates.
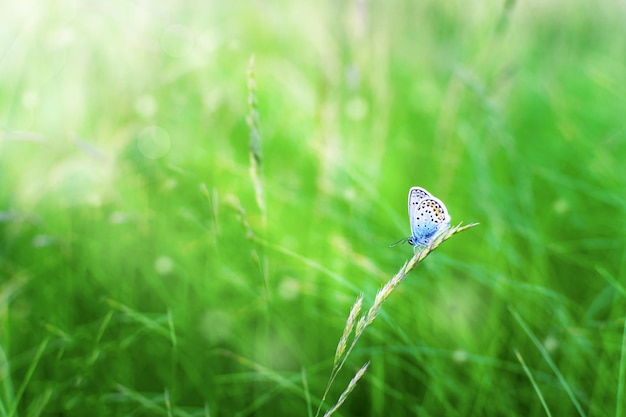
(271, 375)
(307, 392)
(149, 323)
(609, 278)
(532, 381)
(621, 378)
(27, 377)
(549, 361)
(256, 153)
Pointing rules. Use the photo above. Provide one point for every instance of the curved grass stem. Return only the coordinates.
(357, 322)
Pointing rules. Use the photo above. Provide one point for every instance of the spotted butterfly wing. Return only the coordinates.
(428, 218)
(416, 194)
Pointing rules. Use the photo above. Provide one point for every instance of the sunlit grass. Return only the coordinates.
(148, 266)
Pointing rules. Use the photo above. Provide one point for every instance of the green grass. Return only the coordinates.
(139, 276)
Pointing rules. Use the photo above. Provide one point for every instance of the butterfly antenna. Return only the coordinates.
(404, 239)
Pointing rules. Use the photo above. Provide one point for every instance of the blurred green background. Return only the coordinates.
(139, 276)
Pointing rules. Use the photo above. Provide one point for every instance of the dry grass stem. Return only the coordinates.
(343, 350)
(348, 390)
(347, 331)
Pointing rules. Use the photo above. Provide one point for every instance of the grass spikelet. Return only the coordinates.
(393, 283)
(344, 395)
(347, 331)
(256, 166)
(255, 150)
(364, 320)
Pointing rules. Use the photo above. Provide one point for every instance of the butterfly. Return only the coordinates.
(428, 218)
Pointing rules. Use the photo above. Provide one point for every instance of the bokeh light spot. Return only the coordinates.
(154, 142)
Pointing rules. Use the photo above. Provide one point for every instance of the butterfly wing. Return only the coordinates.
(433, 210)
(429, 218)
(416, 194)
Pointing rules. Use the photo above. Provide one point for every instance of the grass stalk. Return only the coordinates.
(621, 377)
(27, 378)
(255, 150)
(256, 165)
(549, 361)
(357, 322)
(533, 383)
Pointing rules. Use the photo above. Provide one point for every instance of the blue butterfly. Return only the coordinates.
(428, 218)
